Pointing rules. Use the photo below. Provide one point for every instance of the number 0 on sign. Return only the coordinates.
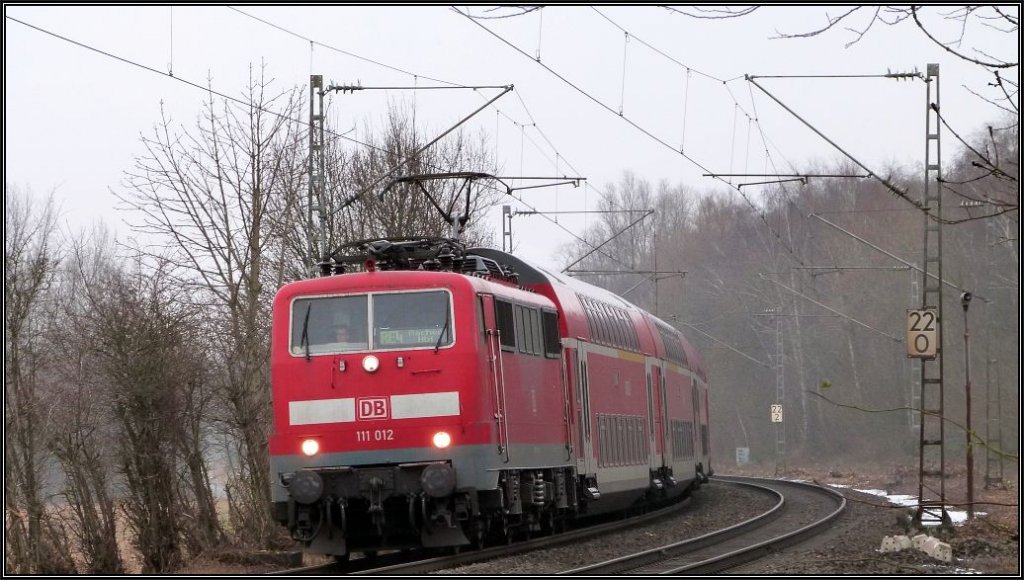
(922, 333)
(776, 413)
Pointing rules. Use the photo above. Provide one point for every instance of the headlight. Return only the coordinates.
(310, 447)
(306, 487)
(438, 479)
(371, 363)
(442, 440)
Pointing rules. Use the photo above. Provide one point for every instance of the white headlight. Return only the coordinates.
(310, 447)
(370, 363)
(442, 440)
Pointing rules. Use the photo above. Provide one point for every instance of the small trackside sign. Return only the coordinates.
(923, 333)
(372, 408)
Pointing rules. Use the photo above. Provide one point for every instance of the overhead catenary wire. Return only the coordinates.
(359, 57)
(340, 51)
(751, 120)
(521, 125)
(641, 41)
(540, 29)
(573, 234)
(533, 123)
(586, 186)
(759, 212)
(210, 90)
(617, 234)
(622, 97)
(891, 187)
(725, 344)
(686, 103)
(207, 89)
(891, 255)
(764, 138)
(725, 83)
(737, 107)
(830, 309)
(170, 24)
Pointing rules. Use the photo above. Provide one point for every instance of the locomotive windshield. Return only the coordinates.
(335, 324)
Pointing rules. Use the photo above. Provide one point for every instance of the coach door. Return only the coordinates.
(585, 463)
(496, 371)
(656, 412)
(695, 398)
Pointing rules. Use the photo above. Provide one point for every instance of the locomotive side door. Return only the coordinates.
(496, 370)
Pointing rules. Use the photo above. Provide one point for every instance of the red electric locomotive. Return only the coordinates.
(445, 394)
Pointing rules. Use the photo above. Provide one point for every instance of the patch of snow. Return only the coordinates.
(956, 516)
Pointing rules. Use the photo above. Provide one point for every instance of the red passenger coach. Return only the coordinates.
(445, 395)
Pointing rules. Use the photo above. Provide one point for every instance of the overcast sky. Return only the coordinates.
(73, 116)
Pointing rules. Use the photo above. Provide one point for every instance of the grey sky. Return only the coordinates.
(73, 116)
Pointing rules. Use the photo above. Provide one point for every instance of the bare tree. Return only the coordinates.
(31, 252)
(140, 343)
(207, 194)
(83, 435)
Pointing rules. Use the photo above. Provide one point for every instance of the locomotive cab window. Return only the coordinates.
(387, 321)
(330, 324)
(412, 320)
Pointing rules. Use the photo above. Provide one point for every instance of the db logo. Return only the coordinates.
(372, 408)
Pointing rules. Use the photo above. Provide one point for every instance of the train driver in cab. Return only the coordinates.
(347, 334)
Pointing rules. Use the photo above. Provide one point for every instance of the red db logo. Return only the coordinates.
(373, 408)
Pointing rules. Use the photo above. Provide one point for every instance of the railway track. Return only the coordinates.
(799, 510)
(803, 510)
(418, 562)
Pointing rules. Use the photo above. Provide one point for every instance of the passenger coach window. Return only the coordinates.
(673, 347)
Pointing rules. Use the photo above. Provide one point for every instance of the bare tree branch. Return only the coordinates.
(860, 34)
(520, 11)
(995, 168)
(714, 13)
(831, 22)
(990, 101)
(1014, 21)
(913, 10)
